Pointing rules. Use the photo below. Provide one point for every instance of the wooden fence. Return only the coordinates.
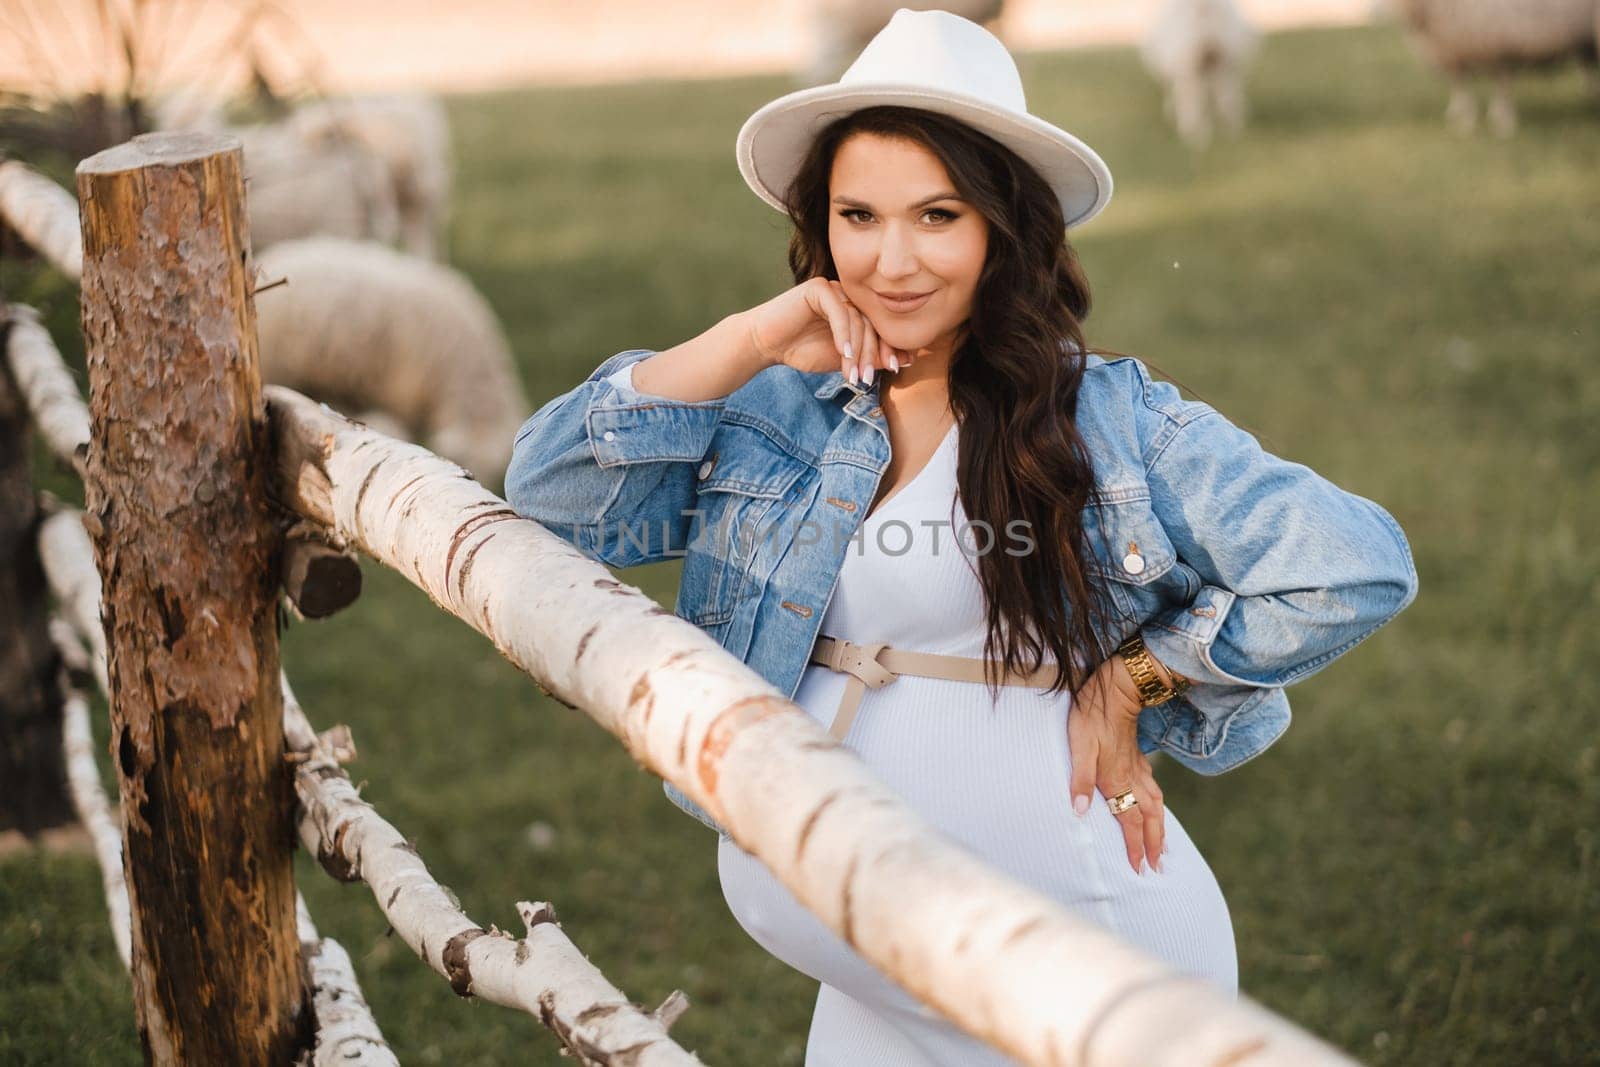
(209, 499)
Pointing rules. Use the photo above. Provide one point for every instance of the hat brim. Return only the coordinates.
(773, 141)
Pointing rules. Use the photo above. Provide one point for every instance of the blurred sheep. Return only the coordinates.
(297, 188)
(399, 342)
(1199, 50)
(840, 29)
(410, 133)
(375, 167)
(1469, 38)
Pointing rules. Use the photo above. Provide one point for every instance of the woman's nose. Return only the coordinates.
(897, 256)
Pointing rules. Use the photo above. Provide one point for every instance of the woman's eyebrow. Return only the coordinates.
(924, 202)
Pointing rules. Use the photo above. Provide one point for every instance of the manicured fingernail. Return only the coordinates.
(852, 374)
(849, 350)
(1155, 864)
(1080, 804)
(866, 375)
(894, 364)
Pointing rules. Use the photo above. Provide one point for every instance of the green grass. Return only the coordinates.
(1411, 870)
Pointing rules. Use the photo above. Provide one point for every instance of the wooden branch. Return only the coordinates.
(187, 546)
(542, 973)
(346, 1031)
(1006, 963)
(54, 401)
(43, 214)
(68, 559)
(347, 1034)
(83, 779)
(319, 577)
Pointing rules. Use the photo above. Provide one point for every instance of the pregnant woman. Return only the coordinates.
(1001, 568)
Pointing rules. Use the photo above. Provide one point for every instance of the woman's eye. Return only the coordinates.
(940, 215)
(851, 213)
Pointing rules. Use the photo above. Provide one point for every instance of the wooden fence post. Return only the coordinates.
(33, 767)
(177, 507)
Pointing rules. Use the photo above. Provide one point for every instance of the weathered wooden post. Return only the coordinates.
(176, 503)
(33, 771)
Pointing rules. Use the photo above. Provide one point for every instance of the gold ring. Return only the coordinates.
(1122, 802)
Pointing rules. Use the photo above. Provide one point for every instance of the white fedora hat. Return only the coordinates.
(938, 62)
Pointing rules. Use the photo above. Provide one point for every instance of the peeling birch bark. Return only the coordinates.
(542, 973)
(88, 796)
(1006, 963)
(347, 1034)
(68, 559)
(52, 397)
(188, 549)
(43, 214)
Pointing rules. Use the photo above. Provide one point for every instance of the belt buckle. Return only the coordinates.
(868, 668)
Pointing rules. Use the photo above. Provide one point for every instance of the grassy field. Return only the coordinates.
(1411, 870)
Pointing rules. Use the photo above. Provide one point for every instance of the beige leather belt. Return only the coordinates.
(878, 665)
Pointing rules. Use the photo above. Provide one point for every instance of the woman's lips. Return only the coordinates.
(903, 304)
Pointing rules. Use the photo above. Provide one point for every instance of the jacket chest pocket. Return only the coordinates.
(743, 487)
(1130, 551)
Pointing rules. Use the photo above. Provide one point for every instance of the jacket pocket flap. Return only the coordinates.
(1127, 541)
(744, 460)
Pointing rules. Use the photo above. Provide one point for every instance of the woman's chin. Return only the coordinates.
(904, 338)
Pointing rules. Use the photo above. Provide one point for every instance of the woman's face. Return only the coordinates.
(908, 249)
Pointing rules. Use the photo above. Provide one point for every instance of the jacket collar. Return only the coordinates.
(834, 381)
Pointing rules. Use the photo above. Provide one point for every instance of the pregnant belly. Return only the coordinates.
(994, 776)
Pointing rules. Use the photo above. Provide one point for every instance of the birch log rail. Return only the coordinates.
(48, 389)
(1006, 963)
(43, 214)
(542, 973)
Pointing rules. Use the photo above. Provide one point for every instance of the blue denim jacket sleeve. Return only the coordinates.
(1295, 571)
(604, 455)
(612, 470)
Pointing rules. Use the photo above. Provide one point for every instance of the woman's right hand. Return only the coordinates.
(814, 327)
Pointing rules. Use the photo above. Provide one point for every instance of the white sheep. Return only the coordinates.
(377, 167)
(410, 132)
(297, 188)
(398, 341)
(1470, 38)
(1200, 51)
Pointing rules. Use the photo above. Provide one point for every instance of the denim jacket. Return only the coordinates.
(1243, 571)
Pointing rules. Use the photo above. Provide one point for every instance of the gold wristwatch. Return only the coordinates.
(1151, 689)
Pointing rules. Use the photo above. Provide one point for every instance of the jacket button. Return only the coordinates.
(875, 412)
(1133, 563)
(705, 470)
(609, 435)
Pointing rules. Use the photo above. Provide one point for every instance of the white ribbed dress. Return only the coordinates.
(992, 775)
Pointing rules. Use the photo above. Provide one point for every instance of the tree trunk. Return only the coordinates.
(33, 766)
(188, 555)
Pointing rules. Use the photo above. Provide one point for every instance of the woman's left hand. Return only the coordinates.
(1102, 732)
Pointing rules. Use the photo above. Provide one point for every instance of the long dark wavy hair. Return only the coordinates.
(1014, 384)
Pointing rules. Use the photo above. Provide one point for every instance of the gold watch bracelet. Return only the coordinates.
(1142, 668)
